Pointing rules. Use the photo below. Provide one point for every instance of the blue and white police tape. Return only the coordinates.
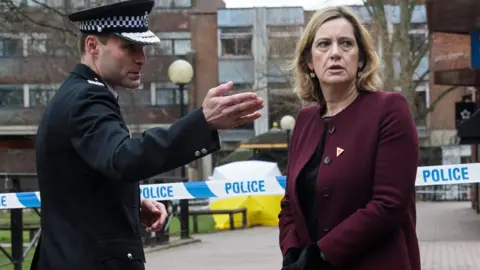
(426, 176)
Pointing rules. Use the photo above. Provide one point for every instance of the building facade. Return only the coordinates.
(256, 45)
(36, 61)
(253, 47)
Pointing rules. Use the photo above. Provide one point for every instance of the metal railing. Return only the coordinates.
(18, 254)
(460, 192)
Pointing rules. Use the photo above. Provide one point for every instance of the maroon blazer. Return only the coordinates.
(366, 194)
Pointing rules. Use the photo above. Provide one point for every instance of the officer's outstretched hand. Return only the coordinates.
(225, 112)
(152, 215)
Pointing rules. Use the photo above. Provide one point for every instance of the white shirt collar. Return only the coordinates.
(115, 94)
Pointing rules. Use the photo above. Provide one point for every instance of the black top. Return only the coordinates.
(306, 185)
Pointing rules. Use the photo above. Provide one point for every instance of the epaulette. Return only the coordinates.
(96, 83)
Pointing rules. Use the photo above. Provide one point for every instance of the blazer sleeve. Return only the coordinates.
(393, 187)
(287, 236)
(99, 135)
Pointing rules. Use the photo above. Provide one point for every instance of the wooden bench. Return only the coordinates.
(229, 212)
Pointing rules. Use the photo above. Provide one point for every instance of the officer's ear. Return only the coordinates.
(92, 44)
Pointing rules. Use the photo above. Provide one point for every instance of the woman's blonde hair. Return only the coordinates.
(368, 79)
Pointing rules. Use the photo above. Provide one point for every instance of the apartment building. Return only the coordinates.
(256, 44)
(251, 46)
(35, 60)
(447, 51)
(254, 47)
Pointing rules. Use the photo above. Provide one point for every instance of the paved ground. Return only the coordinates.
(449, 236)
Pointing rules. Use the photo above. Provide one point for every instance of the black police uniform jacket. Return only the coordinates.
(88, 171)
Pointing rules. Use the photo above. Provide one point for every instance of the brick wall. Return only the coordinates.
(449, 51)
(17, 161)
(204, 43)
(208, 5)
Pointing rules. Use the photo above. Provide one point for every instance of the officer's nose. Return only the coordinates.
(140, 57)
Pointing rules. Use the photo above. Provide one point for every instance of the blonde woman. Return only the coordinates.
(349, 201)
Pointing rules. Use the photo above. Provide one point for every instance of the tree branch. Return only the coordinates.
(432, 105)
(422, 77)
(370, 9)
(22, 14)
(421, 52)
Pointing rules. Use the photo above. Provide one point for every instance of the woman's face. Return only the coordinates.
(335, 53)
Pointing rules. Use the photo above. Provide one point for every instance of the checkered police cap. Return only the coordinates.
(128, 19)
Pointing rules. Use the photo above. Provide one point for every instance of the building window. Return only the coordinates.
(56, 48)
(37, 44)
(11, 47)
(165, 97)
(141, 96)
(181, 47)
(171, 47)
(282, 40)
(418, 35)
(239, 88)
(236, 41)
(421, 102)
(56, 3)
(279, 86)
(173, 4)
(80, 4)
(144, 96)
(133, 98)
(40, 94)
(41, 3)
(168, 94)
(172, 43)
(421, 106)
(11, 95)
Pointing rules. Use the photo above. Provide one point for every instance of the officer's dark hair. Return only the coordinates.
(83, 36)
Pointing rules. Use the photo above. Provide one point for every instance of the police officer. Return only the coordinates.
(89, 167)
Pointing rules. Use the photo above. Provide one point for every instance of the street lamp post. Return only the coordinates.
(180, 72)
(287, 123)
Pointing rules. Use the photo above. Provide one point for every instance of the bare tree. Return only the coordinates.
(48, 46)
(41, 43)
(281, 45)
(403, 49)
(52, 21)
(406, 43)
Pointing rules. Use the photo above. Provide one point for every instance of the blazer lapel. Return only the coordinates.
(307, 142)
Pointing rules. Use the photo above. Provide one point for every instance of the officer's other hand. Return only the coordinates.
(152, 215)
(225, 112)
